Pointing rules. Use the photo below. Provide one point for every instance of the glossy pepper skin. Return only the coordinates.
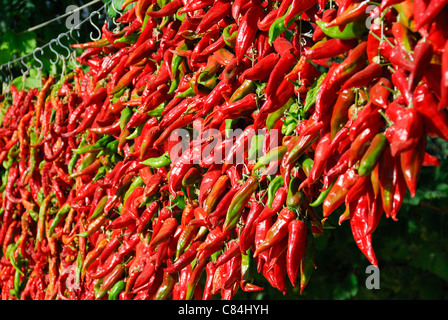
(277, 232)
(297, 231)
(336, 195)
(238, 202)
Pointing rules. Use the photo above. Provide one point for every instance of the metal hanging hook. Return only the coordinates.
(11, 76)
(24, 73)
(95, 26)
(117, 24)
(54, 51)
(71, 34)
(38, 60)
(22, 61)
(73, 53)
(63, 46)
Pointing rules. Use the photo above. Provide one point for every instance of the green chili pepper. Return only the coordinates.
(320, 199)
(229, 39)
(78, 269)
(99, 208)
(129, 39)
(238, 203)
(136, 133)
(58, 218)
(99, 145)
(158, 162)
(274, 185)
(115, 291)
(244, 89)
(10, 250)
(352, 30)
(275, 116)
(165, 289)
(306, 164)
(273, 155)
(372, 154)
(58, 85)
(72, 163)
(88, 160)
(187, 93)
(17, 289)
(12, 155)
(110, 148)
(4, 180)
(41, 220)
(288, 129)
(34, 215)
(256, 146)
(307, 263)
(294, 197)
(177, 59)
(277, 28)
(40, 196)
(100, 174)
(206, 85)
(97, 286)
(311, 95)
(126, 115)
(181, 16)
(175, 83)
(137, 182)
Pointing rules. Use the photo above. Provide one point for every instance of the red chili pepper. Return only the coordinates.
(297, 230)
(338, 191)
(363, 77)
(219, 187)
(322, 152)
(277, 205)
(262, 69)
(435, 120)
(423, 53)
(407, 129)
(230, 253)
(182, 121)
(185, 259)
(358, 223)
(397, 56)
(285, 63)
(223, 205)
(443, 103)
(247, 30)
(297, 8)
(248, 231)
(210, 270)
(218, 11)
(379, 93)
(169, 9)
(277, 231)
(352, 12)
(239, 147)
(329, 49)
(166, 230)
(429, 13)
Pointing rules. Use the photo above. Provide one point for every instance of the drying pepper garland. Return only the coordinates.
(96, 204)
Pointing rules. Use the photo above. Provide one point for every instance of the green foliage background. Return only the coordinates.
(412, 252)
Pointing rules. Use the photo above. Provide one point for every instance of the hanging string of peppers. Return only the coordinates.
(97, 202)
